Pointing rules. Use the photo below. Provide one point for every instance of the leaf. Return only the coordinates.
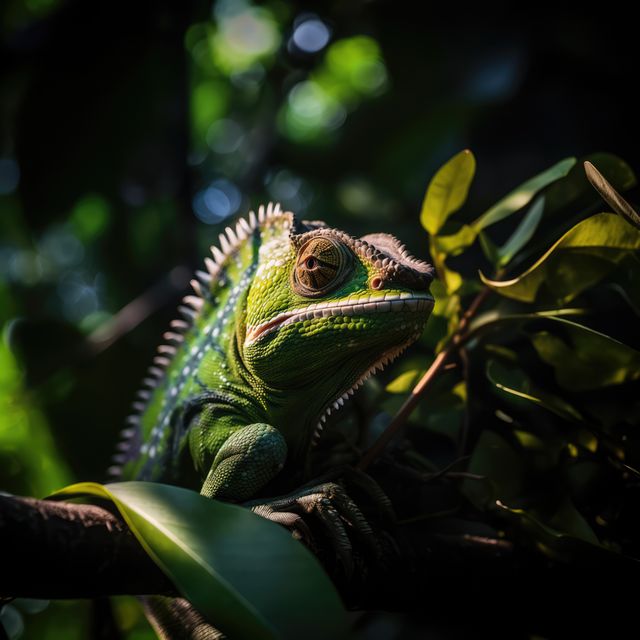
(575, 189)
(577, 545)
(447, 191)
(496, 460)
(495, 318)
(488, 247)
(582, 257)
(515, 383)
(611, 196)
(522, 195)
(522, 234)
(569, 520)
(455, 243)
(246, 575)
(588, 360)
(405, 381)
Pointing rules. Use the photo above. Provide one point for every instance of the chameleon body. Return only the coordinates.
(288, 319)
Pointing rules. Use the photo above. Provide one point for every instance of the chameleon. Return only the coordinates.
(286, 321)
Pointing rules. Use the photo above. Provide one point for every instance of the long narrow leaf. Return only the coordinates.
(611, 196)
(522, 195)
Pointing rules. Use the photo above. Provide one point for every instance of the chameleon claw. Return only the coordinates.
(337, 514)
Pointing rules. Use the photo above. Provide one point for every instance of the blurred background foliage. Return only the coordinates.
(132, 133)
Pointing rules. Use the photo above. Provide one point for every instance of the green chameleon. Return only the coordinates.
(287, 321)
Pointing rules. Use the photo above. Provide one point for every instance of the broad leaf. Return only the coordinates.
(582, 257)
(587, 359)
(246, 575)
(611, 196)
(496, 460)
(447, 191)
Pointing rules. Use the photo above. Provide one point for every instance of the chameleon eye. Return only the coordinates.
(322, 264)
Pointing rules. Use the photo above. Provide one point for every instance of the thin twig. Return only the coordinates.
(464, 432)
(456, 341)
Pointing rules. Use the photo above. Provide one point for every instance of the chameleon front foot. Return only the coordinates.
(337, 514)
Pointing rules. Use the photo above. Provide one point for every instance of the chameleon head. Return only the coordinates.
(326, 310)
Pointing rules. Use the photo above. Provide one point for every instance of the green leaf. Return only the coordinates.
(569, 520)
(579, 544)
(246, 575)
(515, 383)
(522, 195)
(447, 191)
(404, 382)
(575, 189)
(611, 196)
(587, 359)
(496, 318)
(488, 247)
(522, 234)
(455, 243)
(495, 459)
(582, 257)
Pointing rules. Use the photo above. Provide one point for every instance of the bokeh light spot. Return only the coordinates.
(311, 35)
(218, 201)
(9, 175)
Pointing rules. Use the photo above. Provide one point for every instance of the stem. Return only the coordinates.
(457, 339)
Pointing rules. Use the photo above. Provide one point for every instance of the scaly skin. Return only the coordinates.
(289, 318)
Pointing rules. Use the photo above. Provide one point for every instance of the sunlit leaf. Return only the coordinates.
(582, 257)
(455, 243)
(515, 383)
(246, 575)
(522, 195)
(404, 382)
(588, 359)
(611, 196)
(447, 190)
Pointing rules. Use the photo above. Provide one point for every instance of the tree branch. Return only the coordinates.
(64, 550)
(56, 550)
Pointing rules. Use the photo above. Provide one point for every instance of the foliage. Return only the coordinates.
(209, 550)
(127, 144)
(548, 403)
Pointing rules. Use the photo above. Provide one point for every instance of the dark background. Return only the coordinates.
(125, 142)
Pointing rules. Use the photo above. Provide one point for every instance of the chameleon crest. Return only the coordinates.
(288, 319)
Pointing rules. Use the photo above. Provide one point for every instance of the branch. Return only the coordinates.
(64, 550)
(439, 364)
(55, 550)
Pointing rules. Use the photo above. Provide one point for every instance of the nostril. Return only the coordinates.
(376, 283)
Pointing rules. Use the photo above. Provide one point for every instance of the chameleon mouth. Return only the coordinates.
(386, 303)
